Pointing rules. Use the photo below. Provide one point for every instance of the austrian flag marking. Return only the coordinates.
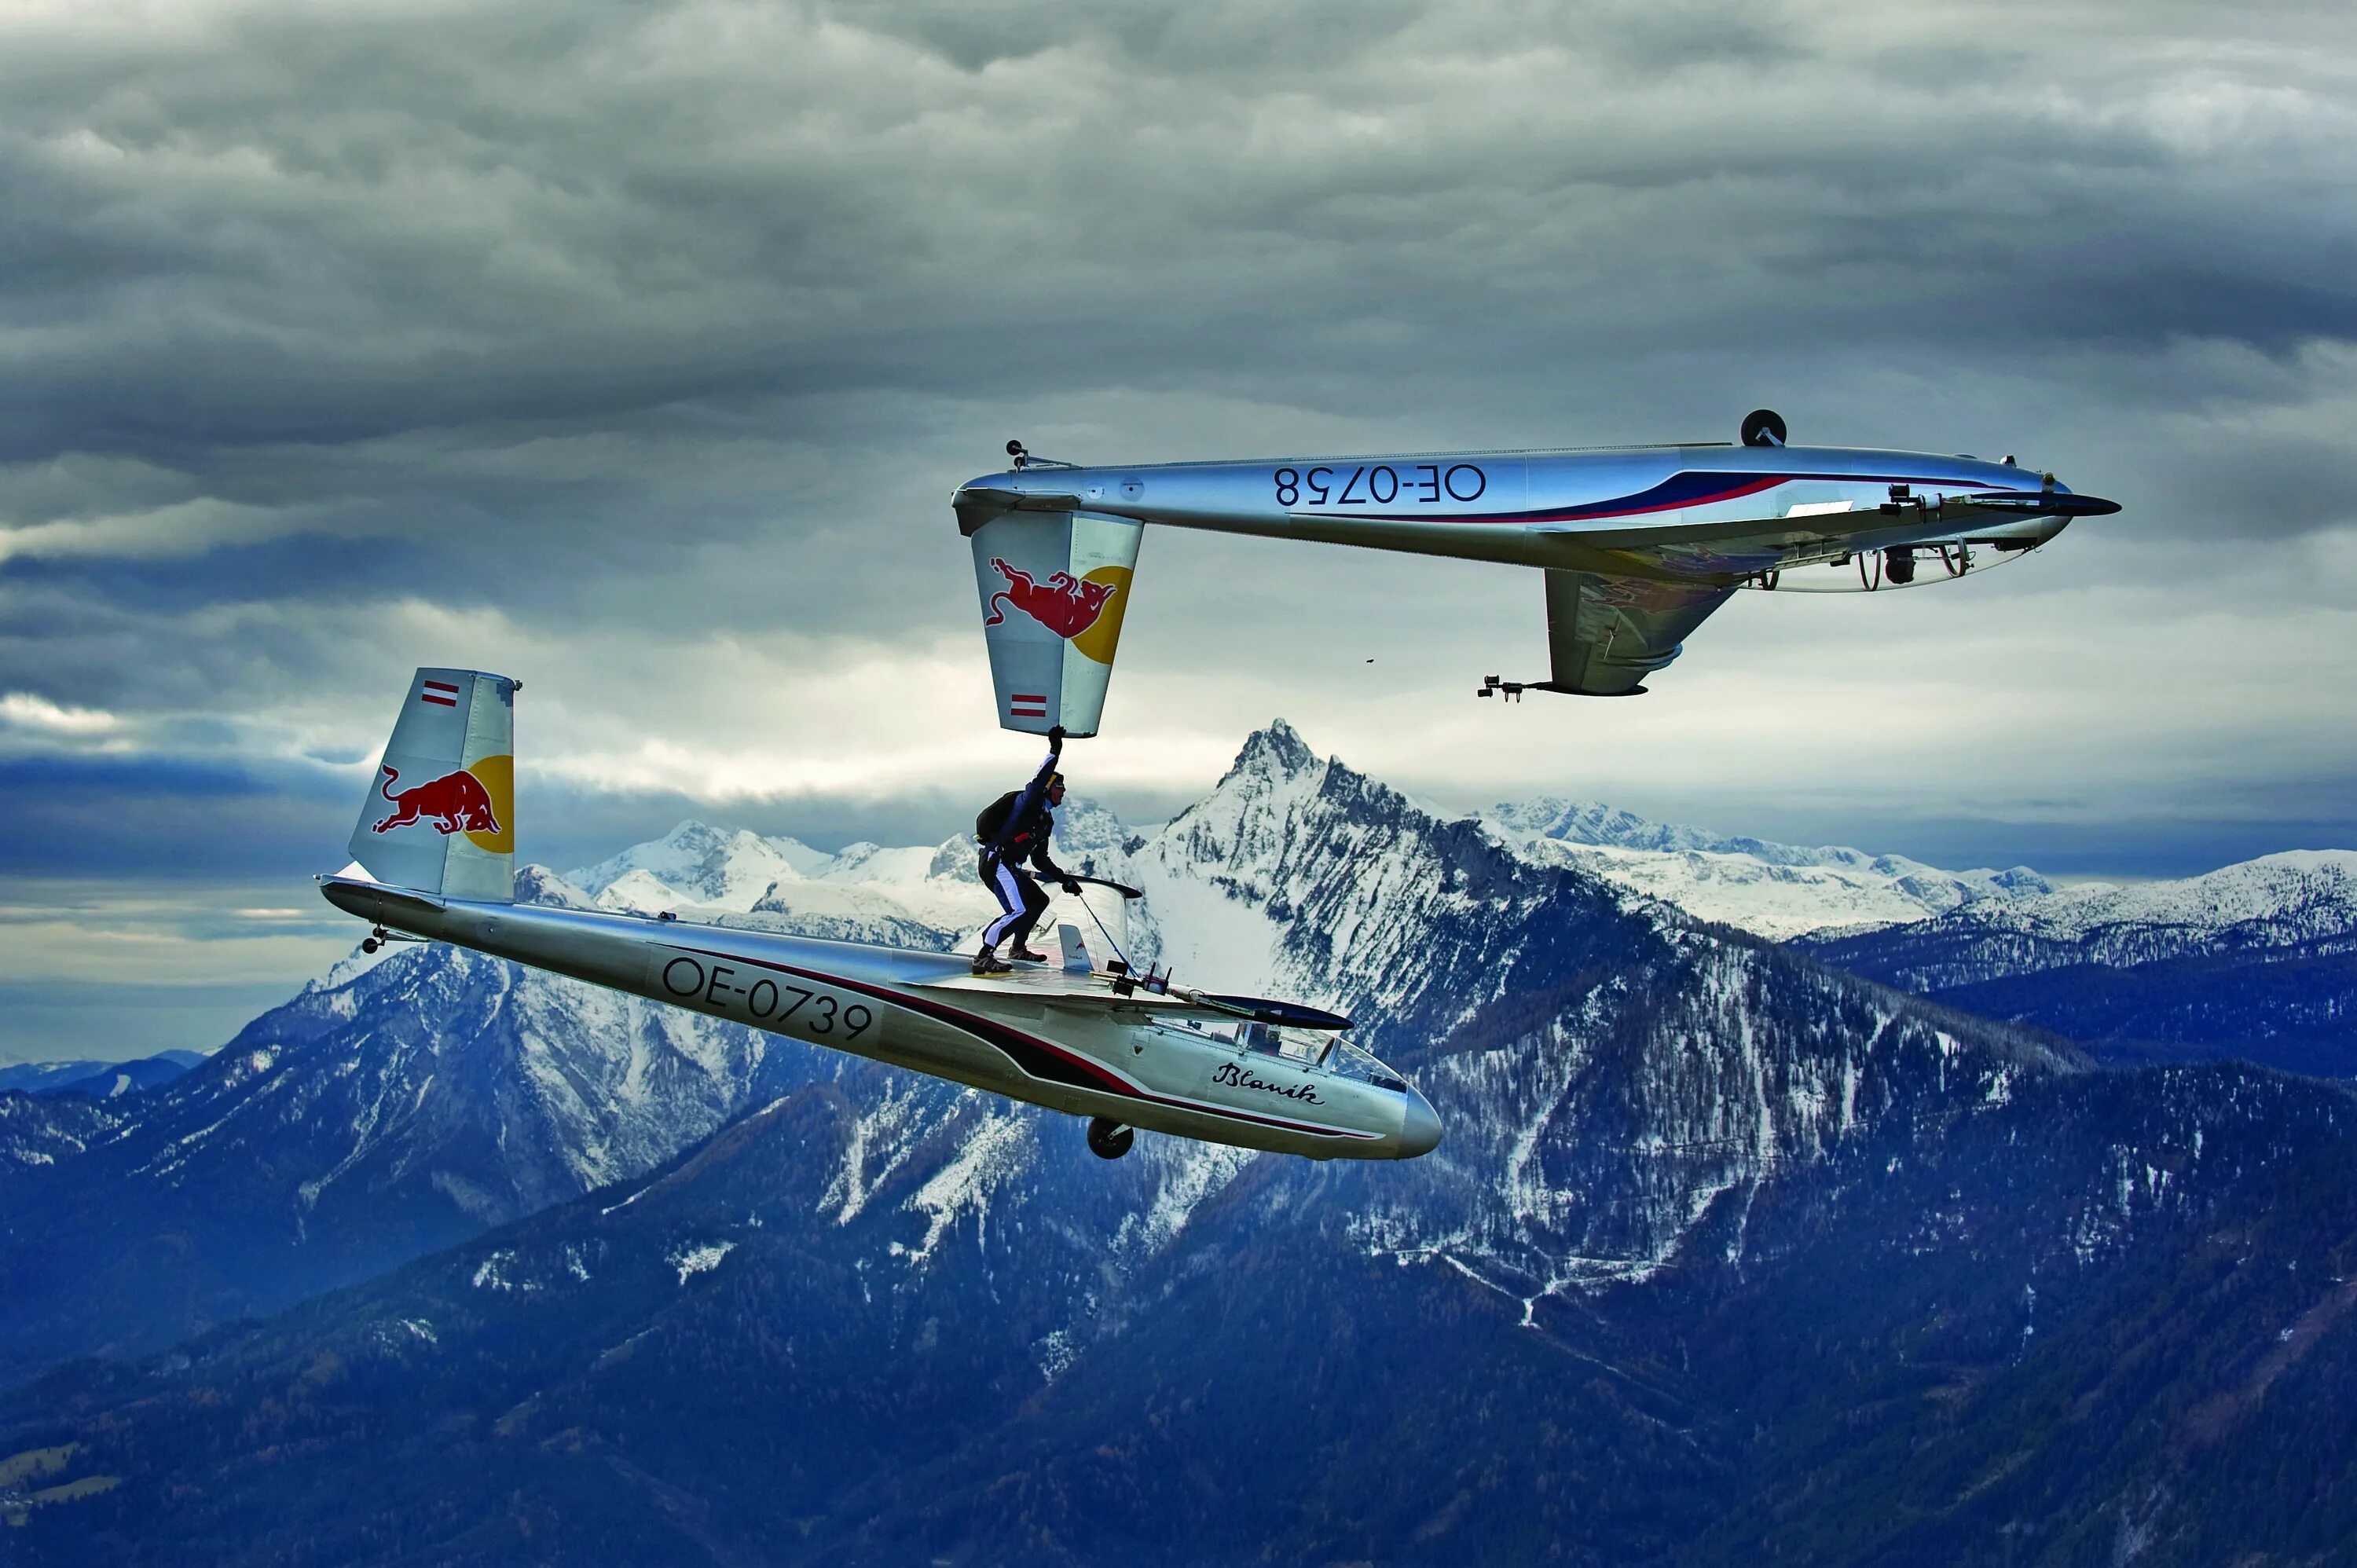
(441, 694)
(1025, 705)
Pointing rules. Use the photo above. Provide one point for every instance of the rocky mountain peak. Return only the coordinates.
(1276, 752)
(698, 864)
(535, 884)
(955, 857)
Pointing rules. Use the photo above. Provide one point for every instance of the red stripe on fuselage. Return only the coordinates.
(983, 1028)
(1734, 492)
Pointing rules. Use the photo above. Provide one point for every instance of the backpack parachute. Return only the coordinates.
(993, 820)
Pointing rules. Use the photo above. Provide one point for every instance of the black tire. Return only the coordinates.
(1108, 1139)
(1763, 427)
(368, 944)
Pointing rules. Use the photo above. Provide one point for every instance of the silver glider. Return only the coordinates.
(1639, 543)
(434, 853)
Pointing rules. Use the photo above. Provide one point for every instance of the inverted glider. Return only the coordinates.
(1125, 1050)
(1639, 543)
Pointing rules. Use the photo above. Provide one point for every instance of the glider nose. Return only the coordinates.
(2069, 504)
(1420, 1130)
(2058, 499)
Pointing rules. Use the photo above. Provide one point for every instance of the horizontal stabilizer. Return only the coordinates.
(372, 901)
(1288, 1015)
(1058, 987)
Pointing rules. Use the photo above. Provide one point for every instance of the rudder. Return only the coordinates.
(440, 816)
(1054, 588)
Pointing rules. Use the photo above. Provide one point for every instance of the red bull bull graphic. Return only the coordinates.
(1069, 575)
(455, 802)
(1065, 605)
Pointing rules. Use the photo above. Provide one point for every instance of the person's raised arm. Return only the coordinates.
(1038, 784)
(1029, 797)
(1039, 856)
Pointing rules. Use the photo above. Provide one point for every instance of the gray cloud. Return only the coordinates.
(290, 230)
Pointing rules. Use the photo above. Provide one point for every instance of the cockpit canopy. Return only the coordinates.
(1315, 1051)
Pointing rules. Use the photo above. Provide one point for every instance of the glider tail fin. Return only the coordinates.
(1054, 587)
(440, 816)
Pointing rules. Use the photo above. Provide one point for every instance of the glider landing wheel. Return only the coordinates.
(1108, 1139)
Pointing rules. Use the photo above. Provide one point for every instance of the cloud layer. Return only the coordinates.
(633, 351)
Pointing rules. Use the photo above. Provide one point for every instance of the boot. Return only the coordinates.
(989, 963)
(1026, 955)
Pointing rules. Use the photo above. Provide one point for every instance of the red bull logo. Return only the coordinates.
(1065, 605)
(455, 802)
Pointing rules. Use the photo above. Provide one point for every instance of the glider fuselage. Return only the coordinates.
(1718, 514)
(1041, 1036)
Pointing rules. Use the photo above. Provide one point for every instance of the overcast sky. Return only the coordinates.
(633, 351)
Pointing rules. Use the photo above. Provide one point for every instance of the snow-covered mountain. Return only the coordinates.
(100, 1079)
(917, 896)
(409, 1100)
(40, 1130)
(1710, 1220)
(693, 863)
(1560, 1020)
(1775, 890)
(906, 897)
(402, 1101)
(399, 1104)
(2257, 961)
(2300, 899)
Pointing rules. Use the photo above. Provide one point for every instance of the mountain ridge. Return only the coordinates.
(1776, 890)
(2256, 960)
(1714, 1226)
(406, 1099)
(1295, 875)
(100, 1079)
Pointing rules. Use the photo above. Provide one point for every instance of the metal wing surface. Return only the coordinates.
(1606, 634)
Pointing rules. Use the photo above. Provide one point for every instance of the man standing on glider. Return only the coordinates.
(1014, 829)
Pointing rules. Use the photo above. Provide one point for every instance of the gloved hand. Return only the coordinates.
(1072, 887)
